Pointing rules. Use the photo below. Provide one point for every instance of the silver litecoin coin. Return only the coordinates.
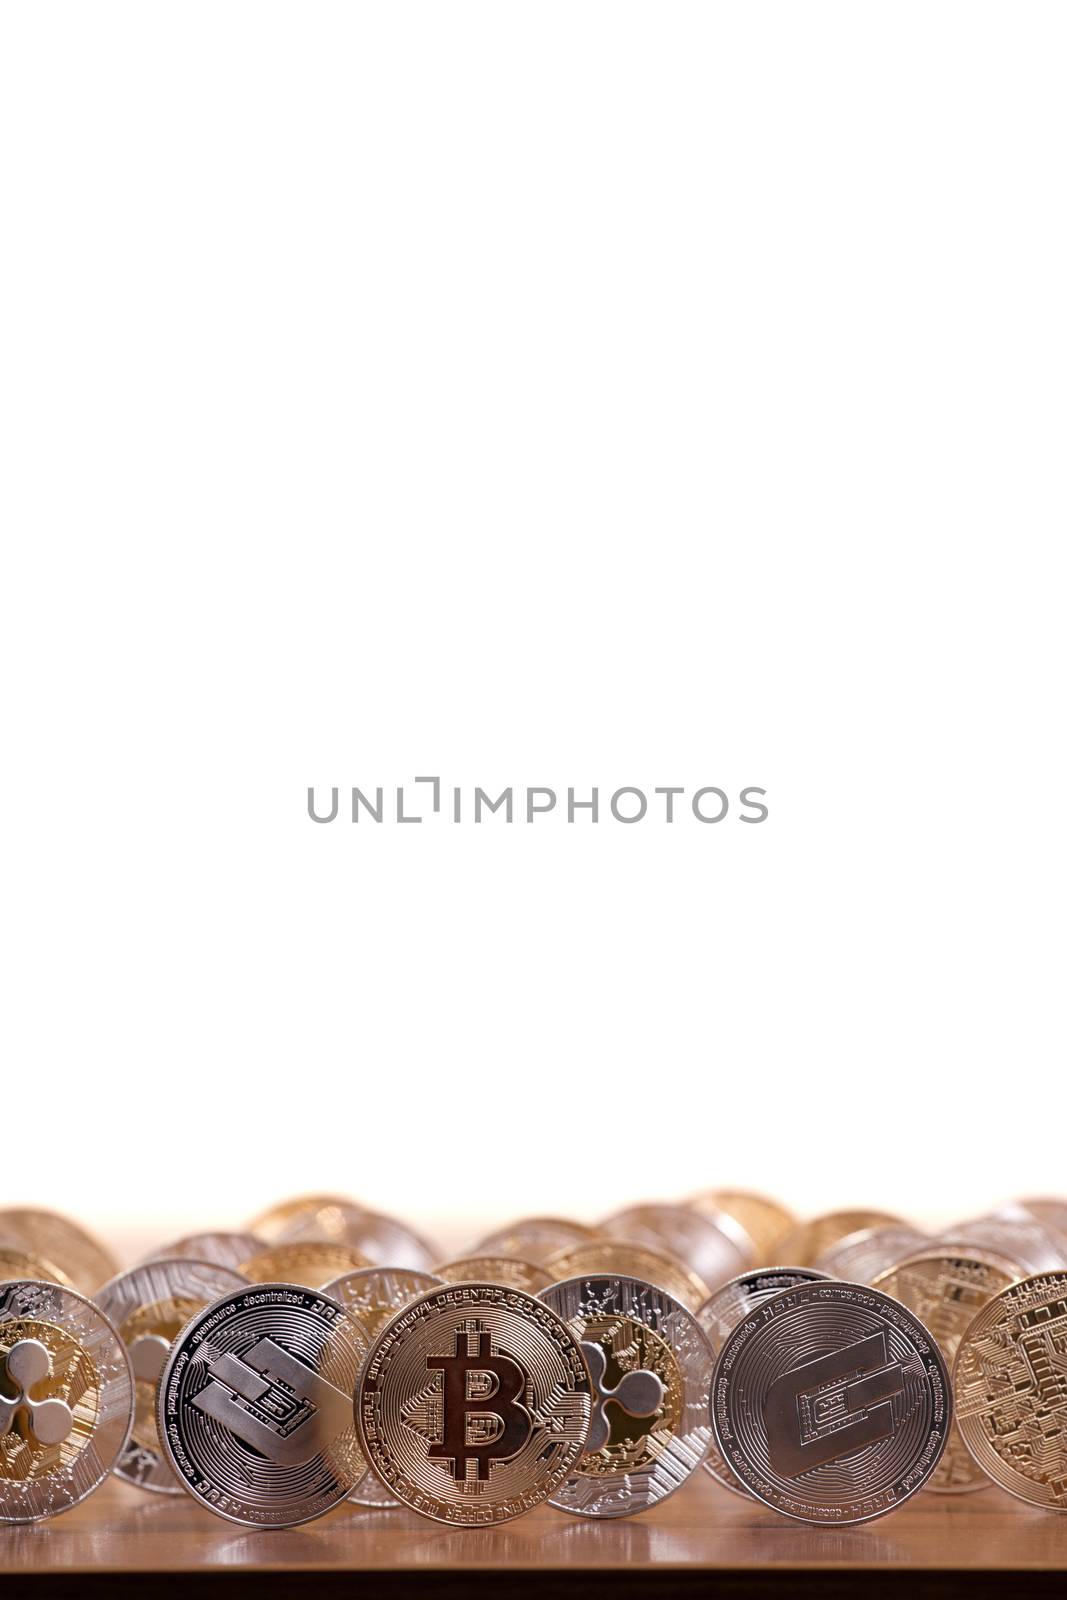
(374, 1295)
(255, 1405)
(831, 1403)
(721, 1313)
(650, 1366)
(66, 1399)
(149, 1306)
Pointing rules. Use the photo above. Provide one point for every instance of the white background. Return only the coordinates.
(555, 394)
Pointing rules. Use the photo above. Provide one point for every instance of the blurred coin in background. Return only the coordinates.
(508, 1270)
(766, 1221)
(535, 1238)
(860, 1257)
(311, 1264)
(715, 1247)
(81, 1258)
(619, 1258)
(810, 1240)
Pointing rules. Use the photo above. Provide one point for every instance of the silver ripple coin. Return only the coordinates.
(255, 1405)
(721, 1313)
(650, 1366)
(831, 1403)
(150, 1305)
(374, 1295)
(66, 1399)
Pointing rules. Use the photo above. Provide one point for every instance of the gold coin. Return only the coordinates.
(84, 1261)
(274, 1223)
(24, 1264)
(509, 1270)
(945, 1290)
(805, 1243)
(765, 1221)
(1011, 1389)
(474, 1405)
(385, 1241)
(619, 1258)
(311, 1264)
(535, 1238)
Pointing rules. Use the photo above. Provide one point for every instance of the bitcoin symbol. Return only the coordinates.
(639, 1394)
(483, 1421)
(48, 1422)
(831, 1407)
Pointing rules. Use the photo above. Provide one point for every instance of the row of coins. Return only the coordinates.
(276, 1372)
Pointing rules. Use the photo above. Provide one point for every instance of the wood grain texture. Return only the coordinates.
(702, 1541)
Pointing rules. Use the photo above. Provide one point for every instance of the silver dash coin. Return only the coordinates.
(374, 1295)
(721, 1313)
(831, 1403)
(650, 1366)
(66, 1399)
(150, 1305)
(255, 1405)
(223, 1249)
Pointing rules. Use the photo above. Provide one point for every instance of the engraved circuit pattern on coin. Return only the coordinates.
(718, 1317)
(66, 1399)
(374, 1295)
(619, 1258)
(82, 1259)
(475, 1403)
(255, 1405)
(508, 1270)
(651, 1370)
(1011, 1389)
(831, 1403)
(312, 1262)
(945, 1291)
(149, 1305)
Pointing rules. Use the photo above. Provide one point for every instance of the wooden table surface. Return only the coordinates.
(702, 1541)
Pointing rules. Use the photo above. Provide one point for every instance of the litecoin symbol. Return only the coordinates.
(483, 1421)
(639, 1394)
(831, 1407)
(47, 1422)
(274, 1403)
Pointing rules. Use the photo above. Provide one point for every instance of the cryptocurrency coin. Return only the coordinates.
(66, 1399)
(1051, 1212)
(313, 1263)
(1010, 1379)
(764, 1220)
(149, 1305)
(650, 1366)
(474, 1404)
(273, 1224)
(715, 1248)
(223, 1249)
(17, 1264)
(373, 1296)
(860, 1257)
(945, 1291)
(619, 1258)
(1016, 1234)
(381, 1240)
(809, 1240)
(831, 1402)
(721, 1313)
(80, 1257)
(535, 1238)
(509, 1270)
(255, 1405)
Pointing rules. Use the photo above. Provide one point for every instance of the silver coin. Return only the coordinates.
(650, 1366)
(859, 1257)
(66, 1399)
(718, 1317)
(150, 1305)
(1016, 1233)
(255, 1405)
(374, 1295)
(831, 1403)
(715, 1248)
(386, 1241)
(222, 1249)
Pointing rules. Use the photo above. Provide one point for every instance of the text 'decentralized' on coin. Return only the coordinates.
(831, 1403)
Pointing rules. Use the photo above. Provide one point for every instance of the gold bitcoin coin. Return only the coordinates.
(805, 1243)
(474, 1404)
(945, 1291)
(535, 1238)
(1010, 1381)
(311, 1264)
(766, 1221)
(82, 1259)
(16, 1263)
(66, 1399)
(618, 1258)
(508, 1270)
